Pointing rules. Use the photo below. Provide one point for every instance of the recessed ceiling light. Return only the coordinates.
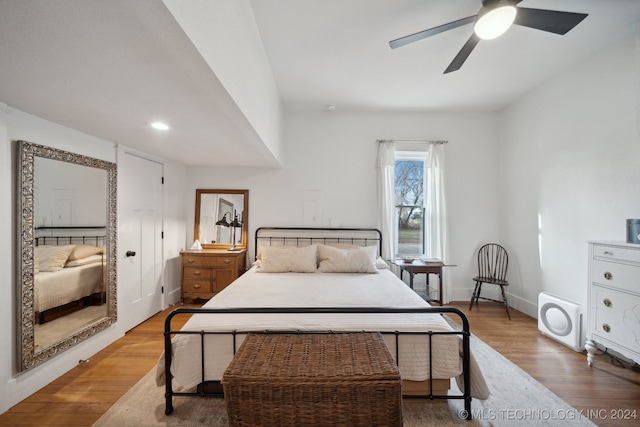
(159, 125)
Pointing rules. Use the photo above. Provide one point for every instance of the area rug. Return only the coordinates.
(516, 399)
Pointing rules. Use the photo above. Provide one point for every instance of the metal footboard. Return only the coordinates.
(169, 333)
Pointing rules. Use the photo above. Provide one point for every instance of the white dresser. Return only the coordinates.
(613, 315)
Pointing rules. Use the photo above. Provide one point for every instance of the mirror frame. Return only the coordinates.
(27, 151)
(245, 218)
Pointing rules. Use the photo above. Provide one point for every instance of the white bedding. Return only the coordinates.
(53, 289)
(254, 289)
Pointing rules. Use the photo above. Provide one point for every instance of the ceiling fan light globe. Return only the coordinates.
(493, 22)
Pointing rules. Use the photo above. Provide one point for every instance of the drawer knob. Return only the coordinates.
(197, 273)
(607, 253)
(607, 302)
(227, 261)
(608, 275)
(190, 260)
(196, 286)
(606, 328)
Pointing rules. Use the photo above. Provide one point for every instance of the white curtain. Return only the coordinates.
(436, 216)
(386, 197)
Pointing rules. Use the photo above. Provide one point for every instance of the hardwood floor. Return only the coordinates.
(603, 392)
(81, 396)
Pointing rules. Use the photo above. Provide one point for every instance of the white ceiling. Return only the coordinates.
(108, 67)
(337, 52)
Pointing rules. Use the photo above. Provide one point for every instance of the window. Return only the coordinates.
(412, 213)
(410, 210)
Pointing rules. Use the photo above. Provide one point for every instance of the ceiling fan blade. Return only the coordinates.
(553, 21)
(463, 54)
(430, 32)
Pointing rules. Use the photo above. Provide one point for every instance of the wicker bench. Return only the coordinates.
(313, 379)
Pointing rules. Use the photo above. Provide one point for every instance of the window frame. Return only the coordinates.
(424, 157)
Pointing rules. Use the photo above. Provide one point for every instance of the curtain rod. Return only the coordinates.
(425, 141)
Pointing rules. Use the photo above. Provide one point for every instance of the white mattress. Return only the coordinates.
(254, 289)
(53, 289)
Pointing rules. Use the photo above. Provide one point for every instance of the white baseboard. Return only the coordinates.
(527, 307)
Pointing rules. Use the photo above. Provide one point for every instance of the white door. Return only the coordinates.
(139, 239)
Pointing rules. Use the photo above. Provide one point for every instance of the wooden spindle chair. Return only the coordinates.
(493, 262)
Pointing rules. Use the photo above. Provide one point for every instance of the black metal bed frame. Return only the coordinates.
(369, 235)
(94, 238)
(169, 332)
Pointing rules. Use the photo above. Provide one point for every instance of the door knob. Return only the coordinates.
(130, 253)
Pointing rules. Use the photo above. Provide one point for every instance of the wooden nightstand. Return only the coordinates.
(208, 271)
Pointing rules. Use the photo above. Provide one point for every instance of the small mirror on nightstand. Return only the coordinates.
(221, 218)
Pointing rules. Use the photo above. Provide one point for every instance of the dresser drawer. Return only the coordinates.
(196, 286)
(621, 276)
(208, 261)
(197, 273)
(616, 253)
(207, 272)
(616, 316)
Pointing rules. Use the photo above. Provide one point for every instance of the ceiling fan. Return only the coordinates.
(494, 18)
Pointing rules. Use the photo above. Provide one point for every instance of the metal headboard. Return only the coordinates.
(300, 236)
(89, 235)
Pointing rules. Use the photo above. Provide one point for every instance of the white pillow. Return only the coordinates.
(381, 264)
(83, 251)
(91, 259)
(53, 258)
(285, 259)
(335, 260)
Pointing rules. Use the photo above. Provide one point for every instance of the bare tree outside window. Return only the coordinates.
(409, 182)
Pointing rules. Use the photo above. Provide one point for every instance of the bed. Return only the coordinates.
(68, 273)
(318, 281)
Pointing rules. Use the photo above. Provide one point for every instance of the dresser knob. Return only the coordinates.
(196, 286)
(607, 302)
(227, 260)
(190, 260)
(197, 273)
(607, 253)
(606, 328)
(607, 275)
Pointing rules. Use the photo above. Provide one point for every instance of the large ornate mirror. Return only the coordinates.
(221, 218)
(66, 250)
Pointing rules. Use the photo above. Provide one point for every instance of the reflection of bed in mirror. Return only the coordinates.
(69, 271)
(64, 199)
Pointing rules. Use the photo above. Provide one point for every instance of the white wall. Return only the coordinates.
(14, 126)
(570, 171)
(241, 66)
(330, 158)
(175, 228)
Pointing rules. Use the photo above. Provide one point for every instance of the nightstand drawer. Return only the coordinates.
(198, 286)
(208, 261)
(207, 272)
(197, 273)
